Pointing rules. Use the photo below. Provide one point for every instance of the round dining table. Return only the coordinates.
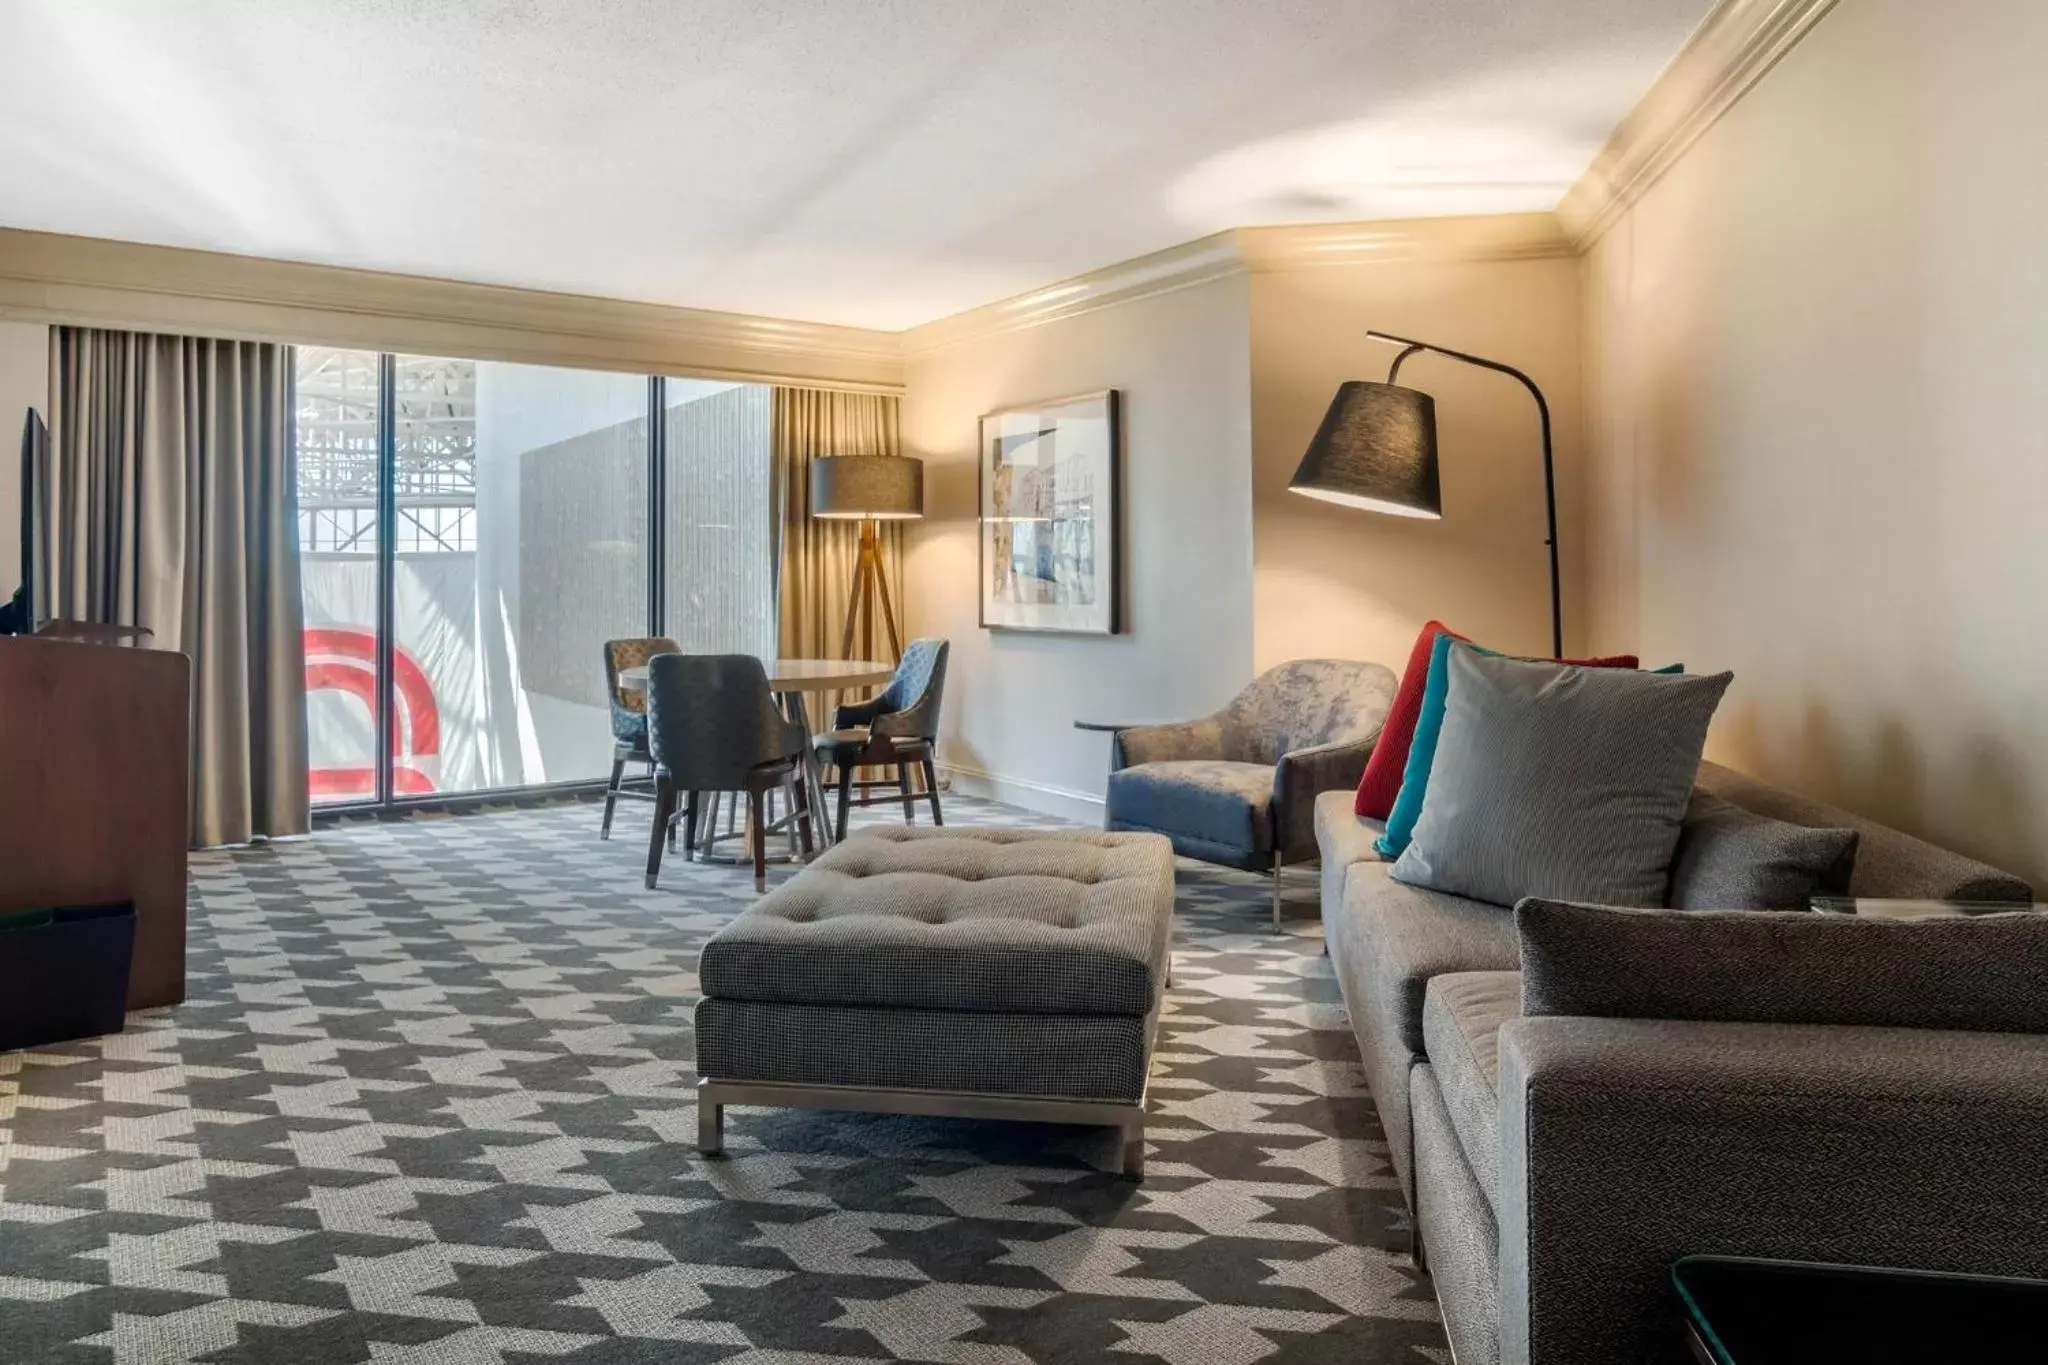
(790, 680)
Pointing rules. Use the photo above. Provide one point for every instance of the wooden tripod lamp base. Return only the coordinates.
(869, 489)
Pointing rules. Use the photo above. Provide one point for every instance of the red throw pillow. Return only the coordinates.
(1389, 757)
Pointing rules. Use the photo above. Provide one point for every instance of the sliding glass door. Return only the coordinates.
(472, 532)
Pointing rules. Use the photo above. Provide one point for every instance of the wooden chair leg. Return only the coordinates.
(690, 824)
(664, 806)
(611, 794)
(757, 838)
(845, 797)
(909, 796)
(931, 789)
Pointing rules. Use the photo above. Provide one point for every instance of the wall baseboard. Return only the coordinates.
(1042, 797)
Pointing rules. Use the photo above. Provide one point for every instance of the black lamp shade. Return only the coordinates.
(1376, 449)
(867, 487)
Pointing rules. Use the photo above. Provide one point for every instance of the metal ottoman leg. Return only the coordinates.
(1134, 1150)
(710, 1124)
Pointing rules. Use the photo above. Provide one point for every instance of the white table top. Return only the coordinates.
(798, 675)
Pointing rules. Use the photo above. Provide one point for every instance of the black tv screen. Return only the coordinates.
(22, 615)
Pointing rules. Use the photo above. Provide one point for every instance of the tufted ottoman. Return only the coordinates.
(975, 973)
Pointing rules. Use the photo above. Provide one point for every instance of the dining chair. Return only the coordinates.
(629, 719)
(898, 728)
(713, 726)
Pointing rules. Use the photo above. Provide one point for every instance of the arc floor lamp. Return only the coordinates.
(869, 489)
(1376, 449)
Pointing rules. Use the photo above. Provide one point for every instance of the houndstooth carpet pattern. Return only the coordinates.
(431, 1101)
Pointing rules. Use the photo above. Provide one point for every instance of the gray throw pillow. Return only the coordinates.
(1557, 781)
(1976, 972)
(1729, 858)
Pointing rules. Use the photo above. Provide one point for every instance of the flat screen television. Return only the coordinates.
(26, 611)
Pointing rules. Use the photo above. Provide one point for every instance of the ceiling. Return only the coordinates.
(872, 162)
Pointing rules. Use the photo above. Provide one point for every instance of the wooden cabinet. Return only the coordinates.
(94, 786)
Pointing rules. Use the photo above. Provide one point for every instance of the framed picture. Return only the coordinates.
(1051, 537)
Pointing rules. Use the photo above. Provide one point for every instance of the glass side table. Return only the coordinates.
(1877, 907)
(1738, 1311)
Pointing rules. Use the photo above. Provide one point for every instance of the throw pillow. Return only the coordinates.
(1976, 972)
(1568, 783)
(1429, 722)
(1389, 757)
(1729, 858)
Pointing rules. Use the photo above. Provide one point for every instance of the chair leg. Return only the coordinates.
(845, 797)
(931, 789)
(909, 796)
(664, 806)
(611, 794)
(800, 803)
(1277, 861)
(690, 825)
(757, 838)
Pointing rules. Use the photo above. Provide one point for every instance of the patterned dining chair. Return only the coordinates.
(898, 728)
(629, 721)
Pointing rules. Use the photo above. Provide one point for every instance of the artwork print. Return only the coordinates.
(1050, 553)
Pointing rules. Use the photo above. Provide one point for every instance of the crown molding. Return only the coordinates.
(48, 277)
(1477, 237)
(1253, 250)
(1733, 48)
(1141, 277)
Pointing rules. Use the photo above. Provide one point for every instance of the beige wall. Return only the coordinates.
(24, 384)
(1181, 361)
(1818, 421)
(1332, 581)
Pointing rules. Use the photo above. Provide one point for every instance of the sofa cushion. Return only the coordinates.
(1211, 800)
(1342, 839)
(1559, 781)
(1978, 973)
(1729, 858)
(1386, 942)
(1031, 921)
(1461, 1021)
(1888, 862)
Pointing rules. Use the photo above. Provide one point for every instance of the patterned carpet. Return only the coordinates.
(430, 1101)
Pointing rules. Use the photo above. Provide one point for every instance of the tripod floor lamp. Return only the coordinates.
(1376, 449)
(869, 489)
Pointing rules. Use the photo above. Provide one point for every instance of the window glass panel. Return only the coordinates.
(719, 579)
(337, 487)
(522, 529)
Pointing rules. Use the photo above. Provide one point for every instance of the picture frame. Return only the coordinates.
(1049, 478)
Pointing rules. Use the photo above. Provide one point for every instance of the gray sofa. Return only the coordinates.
(1556, 1166)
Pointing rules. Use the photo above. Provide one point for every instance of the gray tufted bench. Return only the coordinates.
(976, 973)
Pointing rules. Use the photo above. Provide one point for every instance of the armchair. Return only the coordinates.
(1239, 787)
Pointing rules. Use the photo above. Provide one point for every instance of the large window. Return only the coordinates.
(473, 531)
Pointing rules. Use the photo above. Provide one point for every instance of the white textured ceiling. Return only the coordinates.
(872, 162)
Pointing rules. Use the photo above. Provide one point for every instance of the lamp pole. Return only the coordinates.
(1409, 346)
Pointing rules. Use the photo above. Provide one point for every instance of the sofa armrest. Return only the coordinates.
(1193, 739)
(1627, 1143)
(1304, 774)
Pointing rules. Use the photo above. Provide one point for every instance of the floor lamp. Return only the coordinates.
(869, 489)
(1376, 449)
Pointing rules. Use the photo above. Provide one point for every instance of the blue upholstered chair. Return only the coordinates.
(1239, 787)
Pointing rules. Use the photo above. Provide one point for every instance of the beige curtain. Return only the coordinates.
(173, 506)
(815, 559)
